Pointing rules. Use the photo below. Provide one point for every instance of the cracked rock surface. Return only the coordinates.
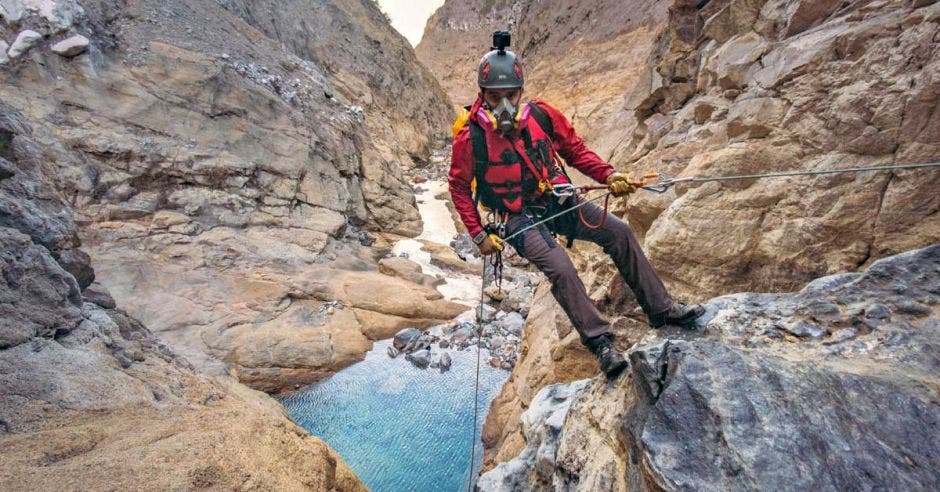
(740, 403)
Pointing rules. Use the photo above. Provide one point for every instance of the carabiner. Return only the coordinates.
(564, 190)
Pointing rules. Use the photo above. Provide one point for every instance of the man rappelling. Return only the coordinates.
(506, 158)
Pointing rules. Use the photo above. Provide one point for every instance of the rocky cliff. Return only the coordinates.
(234, 168)
(833, 387)
(89, 398)
(748, 86)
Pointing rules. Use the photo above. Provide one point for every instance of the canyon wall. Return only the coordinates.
(89, 398)
(235, 169)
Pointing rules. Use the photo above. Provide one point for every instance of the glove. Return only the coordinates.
(620, 184)
(491, 244)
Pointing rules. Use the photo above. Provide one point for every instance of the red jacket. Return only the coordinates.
(566, 143)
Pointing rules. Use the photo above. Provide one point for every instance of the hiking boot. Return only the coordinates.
(679, 314)
(608, 357)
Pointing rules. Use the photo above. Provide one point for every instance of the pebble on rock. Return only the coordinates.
(842, 335)
(805, 329)
(420, 358)
(404, 337)
(26, 40)
(72, 46)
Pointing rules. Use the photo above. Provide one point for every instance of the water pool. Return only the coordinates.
(398, 427)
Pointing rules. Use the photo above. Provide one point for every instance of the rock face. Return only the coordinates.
(224, 162)
(542, 423)
(740, 403)
(89, 398)
(743, 87)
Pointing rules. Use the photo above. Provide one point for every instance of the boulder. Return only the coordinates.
(486, 312)
(4, 57)
(727, 406)
(516, 299)
(24, 41)
(541, 426)
(440, 360)
(420, 358)
(70, 47)
(512, 323)
(408, 270)
(405, 337)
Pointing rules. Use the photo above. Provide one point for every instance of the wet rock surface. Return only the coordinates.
(498, 332)
(861, 398)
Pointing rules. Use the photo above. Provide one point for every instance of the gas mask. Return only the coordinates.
(505, 114)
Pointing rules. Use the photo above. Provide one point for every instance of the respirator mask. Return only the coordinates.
(505, 114)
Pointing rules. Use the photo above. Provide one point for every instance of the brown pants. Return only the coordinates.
(617, 238)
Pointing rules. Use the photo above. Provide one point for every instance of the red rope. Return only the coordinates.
(603, 217)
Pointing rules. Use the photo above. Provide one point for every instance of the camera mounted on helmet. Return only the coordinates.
(501, 40)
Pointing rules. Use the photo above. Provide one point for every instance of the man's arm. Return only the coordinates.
(459, 178)
(571, 147)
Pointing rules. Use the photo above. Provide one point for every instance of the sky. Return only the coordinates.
(410, 16)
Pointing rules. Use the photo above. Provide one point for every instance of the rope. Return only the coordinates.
(556, 215)
(476, 385)
(603, 217)
(809, 173)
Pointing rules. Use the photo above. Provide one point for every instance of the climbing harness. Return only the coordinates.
(663, 184)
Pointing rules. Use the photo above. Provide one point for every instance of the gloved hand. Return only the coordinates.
(491, 244)
(620, 184)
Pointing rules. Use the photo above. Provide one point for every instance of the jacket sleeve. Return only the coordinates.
(570, 146)
(459, 178)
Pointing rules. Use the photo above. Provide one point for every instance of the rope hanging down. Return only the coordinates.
(665, 182)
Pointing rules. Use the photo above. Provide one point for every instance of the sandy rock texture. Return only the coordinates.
(743, 87)
(89, 398)
(221, 158)
(757, 398)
